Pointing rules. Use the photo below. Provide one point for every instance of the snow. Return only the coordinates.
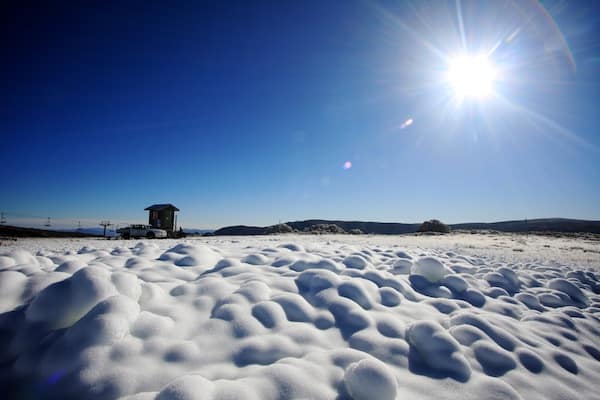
(301, 316)
(437, 350)
(370, 379)
(430, 268)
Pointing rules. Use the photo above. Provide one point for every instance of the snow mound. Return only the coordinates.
(438, 350)
(255, 259)
(63, 303)
(185, 255)
(564, 286)
(430, 268)
(12, 287)
(370, 379)
(495, 360)
(401, 266)
(292, 246)
(356, 261)
(188, 387)
(324, 263)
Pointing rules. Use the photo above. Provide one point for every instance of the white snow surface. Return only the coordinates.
(301, 317)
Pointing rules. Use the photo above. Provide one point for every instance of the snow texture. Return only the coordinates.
(301, 317)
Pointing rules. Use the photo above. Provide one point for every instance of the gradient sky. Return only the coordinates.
(250, 112)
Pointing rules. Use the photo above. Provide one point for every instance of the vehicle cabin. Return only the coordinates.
(162, 216)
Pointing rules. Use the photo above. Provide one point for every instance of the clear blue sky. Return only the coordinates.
(245, 112)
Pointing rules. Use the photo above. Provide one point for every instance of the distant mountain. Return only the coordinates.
(384, 228)
(238, 230)
(392, 228)
(536, 225)
(111, 232)
(92, 231)
(194, 231)
(16, 231)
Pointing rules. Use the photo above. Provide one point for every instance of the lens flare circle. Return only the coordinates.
(471, 76)
(407, 123)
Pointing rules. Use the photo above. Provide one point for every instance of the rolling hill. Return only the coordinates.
(563, 225)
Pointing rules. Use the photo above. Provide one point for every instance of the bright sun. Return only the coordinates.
(471, 76)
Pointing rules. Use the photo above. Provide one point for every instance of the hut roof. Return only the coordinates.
(159, 207)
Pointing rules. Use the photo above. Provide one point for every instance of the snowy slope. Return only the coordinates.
(301, 317)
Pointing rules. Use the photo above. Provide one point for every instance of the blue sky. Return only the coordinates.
(245, 112)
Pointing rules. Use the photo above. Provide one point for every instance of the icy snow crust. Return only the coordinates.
(299, 317)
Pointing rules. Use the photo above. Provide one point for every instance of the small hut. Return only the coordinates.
(163, 216)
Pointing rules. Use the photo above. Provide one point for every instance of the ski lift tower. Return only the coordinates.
(104, 224)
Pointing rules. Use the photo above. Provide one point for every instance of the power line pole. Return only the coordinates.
(105, 224)
(48, 224)
(2, 218)
(78, 225)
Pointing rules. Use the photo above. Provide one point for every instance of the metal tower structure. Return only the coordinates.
(104, 224)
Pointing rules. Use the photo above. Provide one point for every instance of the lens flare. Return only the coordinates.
(406, 123)
(347, 165)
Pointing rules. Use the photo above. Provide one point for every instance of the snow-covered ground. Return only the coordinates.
(301, 317)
